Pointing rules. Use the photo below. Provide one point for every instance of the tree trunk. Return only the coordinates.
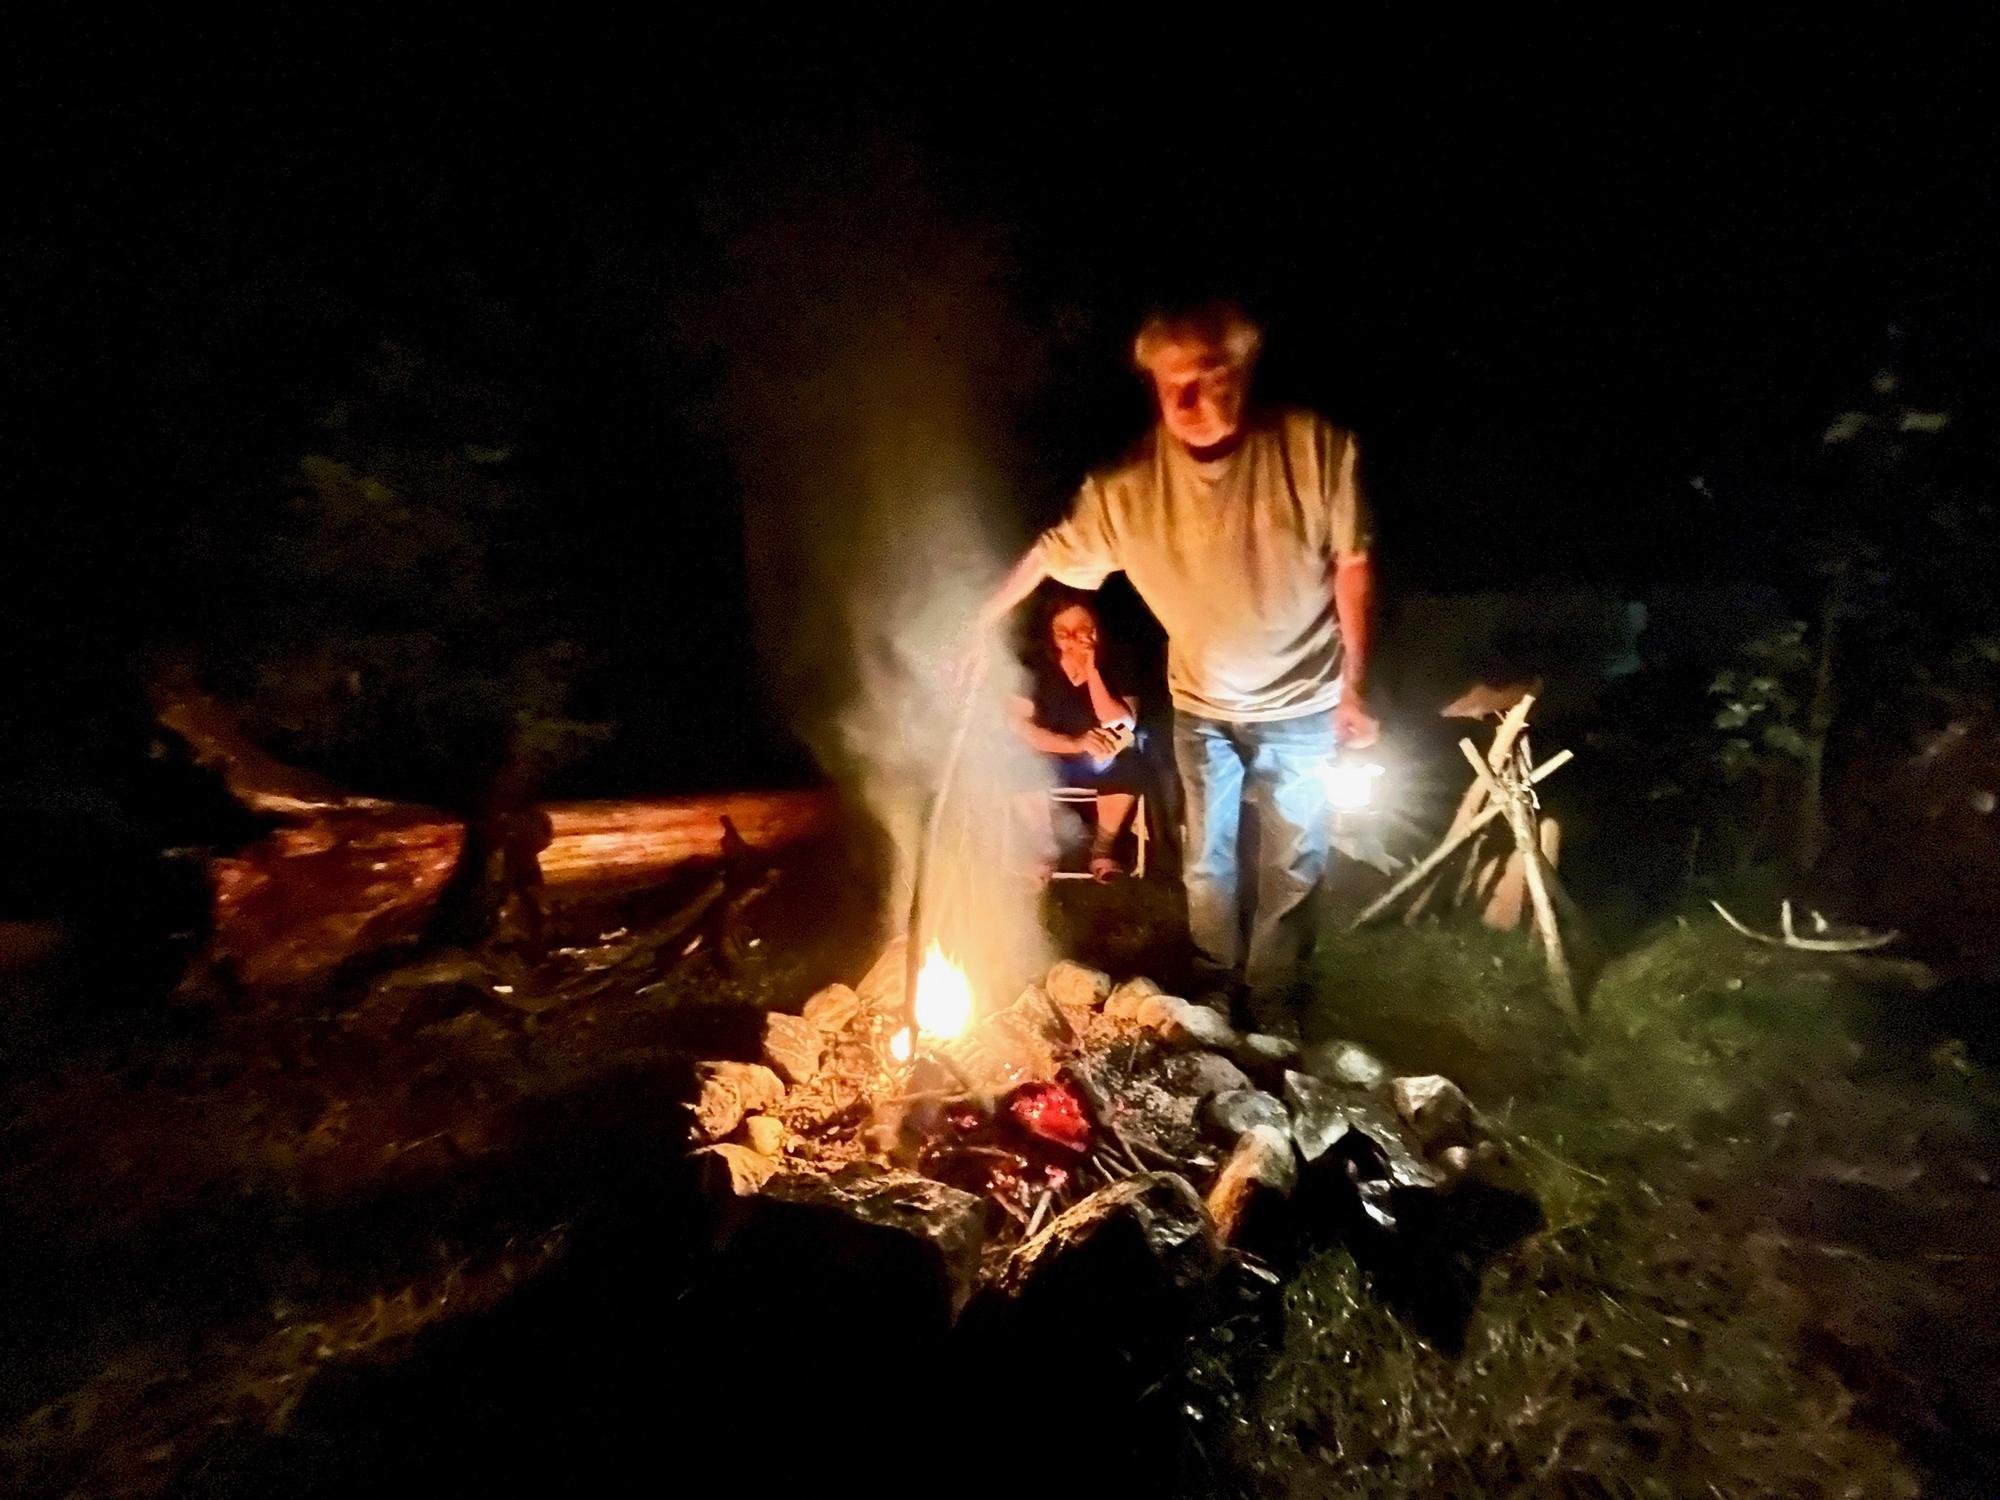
(1809, 832)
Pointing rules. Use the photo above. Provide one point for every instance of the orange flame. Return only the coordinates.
(944, 1002)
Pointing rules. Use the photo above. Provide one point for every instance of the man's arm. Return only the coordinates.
(1078, 550)
(1022, 580)
(1354, 608)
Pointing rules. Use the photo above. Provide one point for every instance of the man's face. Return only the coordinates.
(1200, 392)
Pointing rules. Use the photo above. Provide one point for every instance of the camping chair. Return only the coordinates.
(1085, 798)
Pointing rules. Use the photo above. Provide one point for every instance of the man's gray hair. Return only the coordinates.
(1222, 326)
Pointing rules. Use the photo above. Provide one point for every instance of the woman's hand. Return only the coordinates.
(1100, 742)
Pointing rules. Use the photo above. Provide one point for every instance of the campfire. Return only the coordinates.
(1001, 1137)
(944, 1004)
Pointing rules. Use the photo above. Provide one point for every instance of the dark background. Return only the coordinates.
(1549, 278)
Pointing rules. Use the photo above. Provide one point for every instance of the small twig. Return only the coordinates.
(1101, 1108)
(1568, 1166)
(927, 838)
(1041, 1207)
(935, 1096)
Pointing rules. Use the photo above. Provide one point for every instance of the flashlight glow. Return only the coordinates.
(1350, 785)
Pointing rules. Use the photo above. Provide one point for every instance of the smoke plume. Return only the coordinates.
(872, 366)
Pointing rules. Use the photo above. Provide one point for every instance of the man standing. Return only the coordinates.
(1247, 536)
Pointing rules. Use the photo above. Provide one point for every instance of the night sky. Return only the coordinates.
(1548, 279)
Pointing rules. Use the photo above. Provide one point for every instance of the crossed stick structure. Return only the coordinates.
(1503, 787)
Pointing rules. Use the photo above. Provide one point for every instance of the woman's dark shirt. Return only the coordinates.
(1064, 707)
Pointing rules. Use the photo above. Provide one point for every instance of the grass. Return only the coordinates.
(1707, 1309)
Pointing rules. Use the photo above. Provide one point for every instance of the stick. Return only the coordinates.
(1866, 944)
(1521, 820)
(1449, 847)
(1041, 1207)
(1468, 806)
(1101, 1108)
(927, 838)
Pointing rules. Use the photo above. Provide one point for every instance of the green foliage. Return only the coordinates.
(1762, 704)
(408, 641)
(1895, 537)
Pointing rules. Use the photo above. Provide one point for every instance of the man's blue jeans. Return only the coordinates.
(1278, 769)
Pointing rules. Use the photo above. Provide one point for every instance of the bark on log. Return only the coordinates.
(346, 873)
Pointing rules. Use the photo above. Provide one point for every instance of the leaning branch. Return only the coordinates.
(1450, 846)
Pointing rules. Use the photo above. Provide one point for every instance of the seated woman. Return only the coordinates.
(1085, 725)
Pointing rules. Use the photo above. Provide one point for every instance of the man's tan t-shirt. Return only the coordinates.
(1235, 562)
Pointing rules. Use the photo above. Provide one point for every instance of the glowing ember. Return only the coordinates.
(944, 1002)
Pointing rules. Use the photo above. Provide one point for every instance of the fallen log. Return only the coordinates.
(344, 874)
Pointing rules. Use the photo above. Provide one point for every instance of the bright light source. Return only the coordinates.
(1350, 785)
(944, 996)
(944, 1003)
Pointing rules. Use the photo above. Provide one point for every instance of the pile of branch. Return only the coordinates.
(1502, 791)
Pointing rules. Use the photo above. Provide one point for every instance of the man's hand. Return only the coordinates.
(1353, 725)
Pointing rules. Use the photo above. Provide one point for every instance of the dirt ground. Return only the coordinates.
(290, 1248)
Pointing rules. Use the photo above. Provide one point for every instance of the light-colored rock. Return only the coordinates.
(1345, 1063)
(730, 1090)
(1263, 1053)
(833, 1008)
(1436, 1110)
(766, 1134)
(1237, 1110)
(1199, 1075)
(1260, 1174)
(1122, 1004)
(1034, 1009)
(1079, 991)
(793, 1047)
(881, 988)
(1182, 1023)
(739, 1170)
